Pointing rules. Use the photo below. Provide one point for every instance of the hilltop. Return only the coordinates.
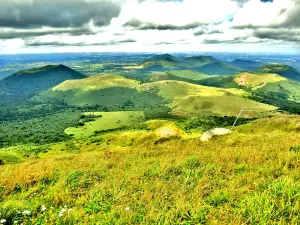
(163, 57)
(198, 61)
(38, 79)
(281, 69)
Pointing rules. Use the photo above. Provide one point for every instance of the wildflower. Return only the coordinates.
(43, 208)
(60, 214)
(26, 212)
(2, 221)
(15, 222)
(127, 208)
(63, 210)
(70, 210)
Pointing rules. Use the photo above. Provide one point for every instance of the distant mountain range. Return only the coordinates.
(212, 66)
(171, 85)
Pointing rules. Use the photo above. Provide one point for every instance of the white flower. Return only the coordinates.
(127, 208)
(70, 210)
(26, 212)
(43, 208)
(60, 214)
(2, 221)
(63, 210)
(15, 222)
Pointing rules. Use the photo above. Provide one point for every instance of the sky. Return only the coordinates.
(41, 26)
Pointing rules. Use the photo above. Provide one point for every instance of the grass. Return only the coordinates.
(106, 121)
(137, 177)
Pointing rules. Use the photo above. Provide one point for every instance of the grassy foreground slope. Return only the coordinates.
(249, 177)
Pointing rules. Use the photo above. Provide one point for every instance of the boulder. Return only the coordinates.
(214, 132)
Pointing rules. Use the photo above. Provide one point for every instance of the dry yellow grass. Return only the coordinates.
(137, 177)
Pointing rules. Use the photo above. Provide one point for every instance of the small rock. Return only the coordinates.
(214, 132)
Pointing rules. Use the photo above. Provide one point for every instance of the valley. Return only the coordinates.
(119, 141)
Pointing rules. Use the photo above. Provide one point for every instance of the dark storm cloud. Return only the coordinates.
(56, 13)
(278, 34)
(37, 33)
(215, 41)
(202, 32)
(237, 40)
(287, 30)
(61, 43)
(139, 25)
(293, 16)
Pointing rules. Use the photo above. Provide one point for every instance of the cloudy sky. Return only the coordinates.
(149, 25)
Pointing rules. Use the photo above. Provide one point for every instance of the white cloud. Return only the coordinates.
(257, 13)
(219, 18)
(175, 12)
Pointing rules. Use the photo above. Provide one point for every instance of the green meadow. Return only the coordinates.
(103, 121)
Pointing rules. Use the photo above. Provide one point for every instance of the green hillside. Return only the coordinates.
(96, 83)
(105, 93)
(38, 79)
(190, 99)
(112, 93)
(267, 88)
(180, 75)
(218, 68)
(188, 75)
